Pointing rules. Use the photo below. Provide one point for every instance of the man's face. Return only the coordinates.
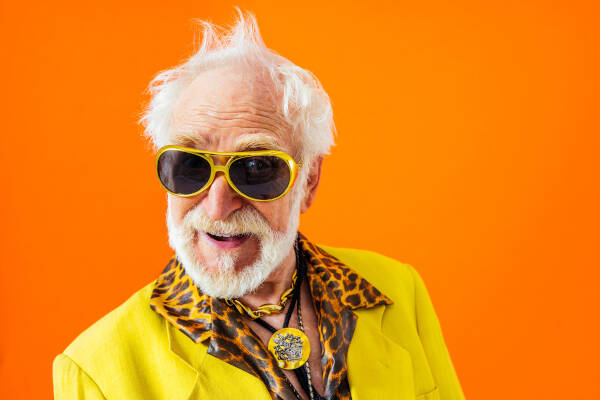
(228, 110)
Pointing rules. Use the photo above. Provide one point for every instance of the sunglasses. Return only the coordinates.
(263, 175)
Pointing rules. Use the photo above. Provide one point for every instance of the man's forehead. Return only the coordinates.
(226, 110)
(223, 87)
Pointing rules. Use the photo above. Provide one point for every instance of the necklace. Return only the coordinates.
(265, 309)
(311, 390)
(291, 346)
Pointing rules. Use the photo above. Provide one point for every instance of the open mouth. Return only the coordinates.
(228, 238)
(226, 241)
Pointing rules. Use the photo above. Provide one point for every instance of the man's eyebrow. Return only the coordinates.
(256, 142)
(189, 139)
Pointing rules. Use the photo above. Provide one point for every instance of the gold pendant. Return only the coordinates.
(290, 347)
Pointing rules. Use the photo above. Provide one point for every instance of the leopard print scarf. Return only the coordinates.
(336, 291)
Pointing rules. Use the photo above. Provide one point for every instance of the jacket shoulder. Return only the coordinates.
(121, 330)
(117, 355)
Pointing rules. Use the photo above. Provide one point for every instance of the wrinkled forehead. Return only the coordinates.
(233, 107)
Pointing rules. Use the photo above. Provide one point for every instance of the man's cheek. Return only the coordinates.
(180, 207)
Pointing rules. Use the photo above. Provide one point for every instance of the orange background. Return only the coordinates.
(467, 147)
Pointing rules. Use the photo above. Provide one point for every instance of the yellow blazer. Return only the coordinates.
(397, 351)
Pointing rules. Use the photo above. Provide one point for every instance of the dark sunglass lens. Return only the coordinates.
(183, 173)
(260, 177)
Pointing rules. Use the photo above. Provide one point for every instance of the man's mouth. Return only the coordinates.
(226, 240)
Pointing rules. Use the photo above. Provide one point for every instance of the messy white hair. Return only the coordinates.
(304, 103)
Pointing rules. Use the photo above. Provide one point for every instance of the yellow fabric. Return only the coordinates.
(397, 351)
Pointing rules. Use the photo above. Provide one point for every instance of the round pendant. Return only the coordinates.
(290, 347)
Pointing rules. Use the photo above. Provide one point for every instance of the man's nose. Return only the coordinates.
(221, 200)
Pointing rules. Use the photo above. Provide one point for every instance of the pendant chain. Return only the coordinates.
(267, 309)
(306, 365)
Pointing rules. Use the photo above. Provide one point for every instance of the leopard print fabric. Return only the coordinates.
(336, 291)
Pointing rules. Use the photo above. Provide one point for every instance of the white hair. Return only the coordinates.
(304, 103)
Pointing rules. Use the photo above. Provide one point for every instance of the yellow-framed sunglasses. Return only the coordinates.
(263, 175)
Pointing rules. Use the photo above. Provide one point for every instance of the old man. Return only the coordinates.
(248, 308)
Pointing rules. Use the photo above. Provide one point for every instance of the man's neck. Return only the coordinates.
(270, 291)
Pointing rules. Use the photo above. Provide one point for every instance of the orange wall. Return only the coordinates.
(466, 147)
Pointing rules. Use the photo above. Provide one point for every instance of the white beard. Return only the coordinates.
(224, 281)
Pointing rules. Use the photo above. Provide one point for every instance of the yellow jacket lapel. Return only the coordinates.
(378, 368)
(204, 376)
(181, 378)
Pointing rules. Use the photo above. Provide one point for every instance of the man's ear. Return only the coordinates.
(314, 175)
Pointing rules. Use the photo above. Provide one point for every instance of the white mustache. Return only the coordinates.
(245, 221)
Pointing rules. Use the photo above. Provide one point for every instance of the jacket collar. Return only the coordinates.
(336, 290)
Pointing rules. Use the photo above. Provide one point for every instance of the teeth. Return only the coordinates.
(227, 237)
(226, 234)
